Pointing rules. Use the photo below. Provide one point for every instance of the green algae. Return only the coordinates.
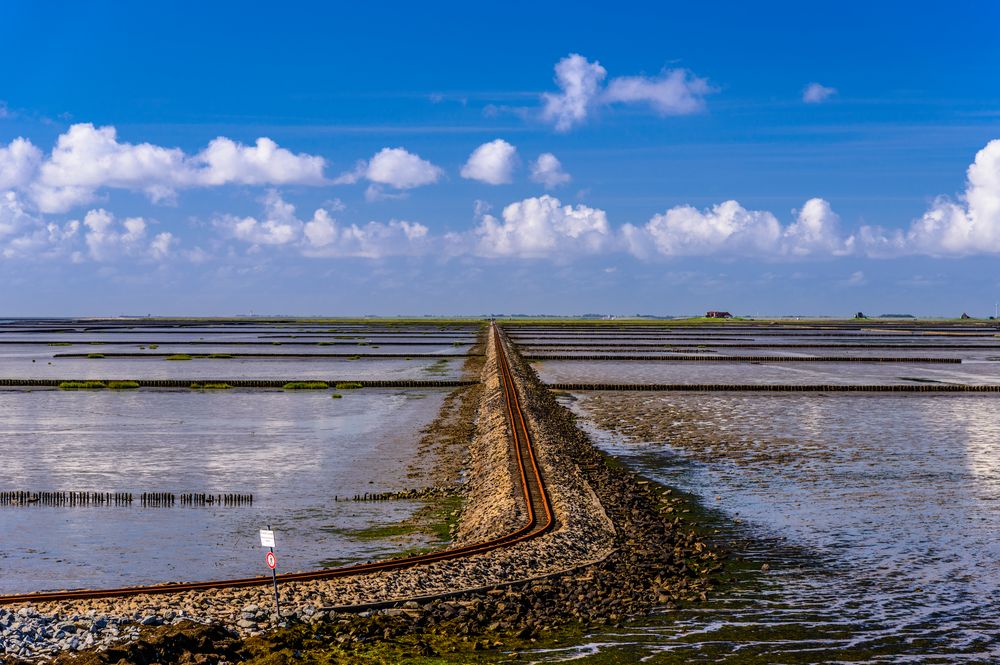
(82, 385)
(306, 385)
(123, 385)
(348, 385)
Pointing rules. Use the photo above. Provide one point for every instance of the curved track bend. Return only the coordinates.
(538, 508)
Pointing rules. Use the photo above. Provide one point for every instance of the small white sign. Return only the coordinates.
(266, 538)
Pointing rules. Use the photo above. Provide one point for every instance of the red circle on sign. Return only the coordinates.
(272, 563)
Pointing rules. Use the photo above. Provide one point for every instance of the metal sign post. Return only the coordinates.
(267, 540)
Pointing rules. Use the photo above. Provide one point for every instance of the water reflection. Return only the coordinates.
(604, 371)
(40, 364)
(292, 451)
(877, 515)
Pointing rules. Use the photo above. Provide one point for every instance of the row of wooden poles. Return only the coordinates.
(22, 498)
(379, 496)
(149, 499)
(216, 499)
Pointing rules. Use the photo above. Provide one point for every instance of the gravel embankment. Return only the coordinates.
(493, 506)
(617, 535)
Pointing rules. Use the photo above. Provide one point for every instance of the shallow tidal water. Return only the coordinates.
(877, 515)
(803, 373)
(292, 450)
(41, 363)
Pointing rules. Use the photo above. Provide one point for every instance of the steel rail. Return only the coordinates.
(538, 507)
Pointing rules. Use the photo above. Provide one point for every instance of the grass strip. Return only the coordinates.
(82, 385)
(306, 385)
(122, 385)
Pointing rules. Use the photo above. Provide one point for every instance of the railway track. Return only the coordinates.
(539, 518)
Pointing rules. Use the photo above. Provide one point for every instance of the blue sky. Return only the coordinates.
(806, 158)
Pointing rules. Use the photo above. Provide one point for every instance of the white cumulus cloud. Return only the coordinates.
(108, 239)
(225, 161)
(816, 231)
(373, 240)
(24, 235)
(101, 237)
(87, 159)
(967, 225)
(814, 93)
(579, 83)
(729, 229)
(673, 92)
(322, 235)
(725, 228)
(548, 171)
(542, 227)
(14, 218)
(401, 169)
(18, 163)
(277, 226)
(492, 163)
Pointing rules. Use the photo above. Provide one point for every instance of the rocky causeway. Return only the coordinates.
(619, 549)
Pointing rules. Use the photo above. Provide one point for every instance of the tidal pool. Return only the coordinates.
(878, 517)
(800, 373)
(292, 450)
(39, 363)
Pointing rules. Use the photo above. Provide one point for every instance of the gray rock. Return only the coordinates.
(151, 620)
